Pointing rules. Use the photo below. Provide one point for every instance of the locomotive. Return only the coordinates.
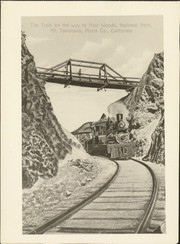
(111, 139)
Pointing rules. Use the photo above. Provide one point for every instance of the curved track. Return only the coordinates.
(61, 217)
(122, 205)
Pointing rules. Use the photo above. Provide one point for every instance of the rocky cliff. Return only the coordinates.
(44, 142)
(146, 111)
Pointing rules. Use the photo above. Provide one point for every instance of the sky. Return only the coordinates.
(126, 43)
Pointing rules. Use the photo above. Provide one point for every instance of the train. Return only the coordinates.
(114, 151)
(111, 139)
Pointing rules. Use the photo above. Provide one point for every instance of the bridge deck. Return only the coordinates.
(90, 82)
(106, 77)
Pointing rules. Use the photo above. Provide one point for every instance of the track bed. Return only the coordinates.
(124, 207)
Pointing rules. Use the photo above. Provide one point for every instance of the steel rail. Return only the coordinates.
(68, 213)
(142, 228)
(143, 225)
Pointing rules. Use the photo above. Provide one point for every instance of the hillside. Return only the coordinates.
(55, 167)
(145, 105)
(45, 144)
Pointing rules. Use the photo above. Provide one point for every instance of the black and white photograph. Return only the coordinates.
(93, 155)
(90, 122)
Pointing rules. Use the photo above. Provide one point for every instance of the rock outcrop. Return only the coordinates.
(146, 105)
(44, 142)
(156, 151)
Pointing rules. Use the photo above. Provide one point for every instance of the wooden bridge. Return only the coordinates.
(87, 74)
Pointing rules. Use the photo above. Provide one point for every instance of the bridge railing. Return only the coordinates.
(44, 71)
(105, 76)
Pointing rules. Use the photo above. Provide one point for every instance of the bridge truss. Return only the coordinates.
(87, 74)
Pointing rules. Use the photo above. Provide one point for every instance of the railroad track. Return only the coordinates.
(123, 204)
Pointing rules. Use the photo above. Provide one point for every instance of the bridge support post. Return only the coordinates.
(66, 71)
(100, 69)
(69, 80)
(106, 81)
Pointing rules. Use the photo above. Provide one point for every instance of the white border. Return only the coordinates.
(11, 113)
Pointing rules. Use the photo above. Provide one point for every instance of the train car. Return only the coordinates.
(123, 150)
